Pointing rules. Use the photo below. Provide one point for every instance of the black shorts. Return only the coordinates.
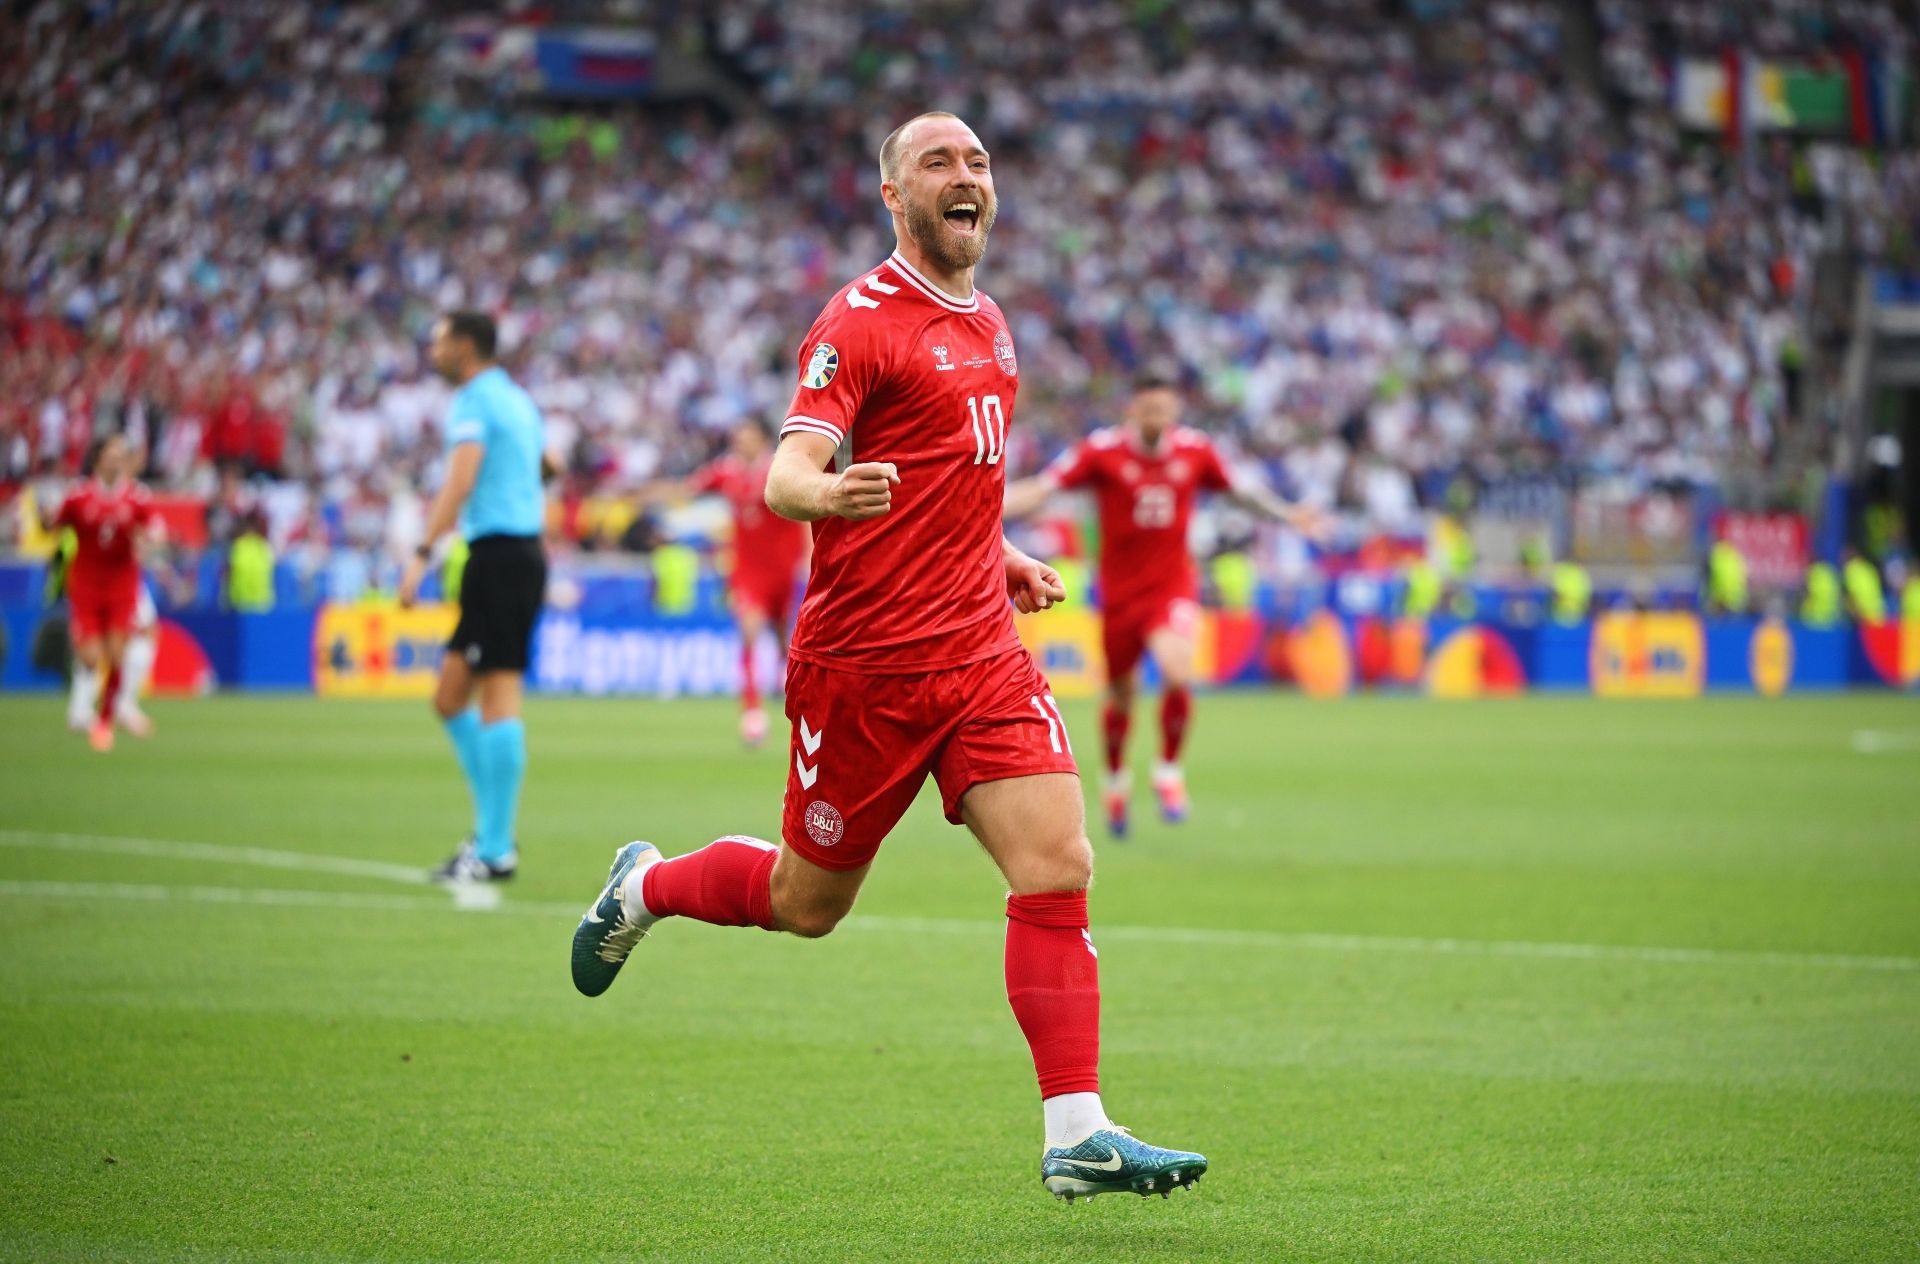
(501, 589)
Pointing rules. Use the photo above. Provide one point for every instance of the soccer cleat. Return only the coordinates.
(1170, 787)
(1114, 1161)
(753, 727)
(100, 736)
(606, 935)
(1118, 791)
(465, 865)
(136, 721)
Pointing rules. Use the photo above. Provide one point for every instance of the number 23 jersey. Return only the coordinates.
(894, 369)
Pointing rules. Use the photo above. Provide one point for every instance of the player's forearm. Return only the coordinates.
(445, 514)
(1263, 502)
(797, 491)
(1025, 497)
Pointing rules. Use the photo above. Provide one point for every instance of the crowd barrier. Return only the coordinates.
(374, 649)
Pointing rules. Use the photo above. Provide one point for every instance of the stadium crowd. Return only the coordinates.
(1399, 249)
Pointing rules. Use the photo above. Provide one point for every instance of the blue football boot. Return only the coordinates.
(1114, 1161)
(1170, 787)
(606, 934)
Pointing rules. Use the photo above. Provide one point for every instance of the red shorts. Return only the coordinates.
(1124, 633)
(102, 608)
(771, 595)
(863, 745)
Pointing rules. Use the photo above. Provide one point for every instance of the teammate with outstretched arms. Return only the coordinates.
(767, 552)
(905, 662)
(1145, 476)
(112, 516)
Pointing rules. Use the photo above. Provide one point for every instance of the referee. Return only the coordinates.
(492, 490)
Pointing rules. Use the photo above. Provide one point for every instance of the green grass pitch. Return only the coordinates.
(1542, 979)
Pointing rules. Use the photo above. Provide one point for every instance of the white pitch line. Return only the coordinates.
(216, 853)
(1316, 941)
(1271, 940)
(1877, 742)
(153, 894)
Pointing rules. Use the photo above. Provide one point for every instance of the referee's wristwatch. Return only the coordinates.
(424, 552)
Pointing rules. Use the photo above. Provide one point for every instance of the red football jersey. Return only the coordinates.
(1145, 500)
(106, 522)
(765, 545)
(896, 370)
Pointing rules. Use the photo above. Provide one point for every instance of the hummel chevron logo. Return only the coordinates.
(857, 300)
(810, 740)
(1110, 1164)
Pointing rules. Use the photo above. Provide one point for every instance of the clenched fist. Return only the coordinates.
(862, 491)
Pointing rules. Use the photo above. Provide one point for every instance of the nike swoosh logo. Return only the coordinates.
(1112, 1163)
(593, 914)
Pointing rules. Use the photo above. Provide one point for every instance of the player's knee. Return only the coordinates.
(447, 707)
(815, 921)
(1066, 865)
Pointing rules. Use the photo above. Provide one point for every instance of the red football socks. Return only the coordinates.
(1176, 705)
(1053, 984)
(1113, 722)
(727, 883)
(749, 687)
(109, 694)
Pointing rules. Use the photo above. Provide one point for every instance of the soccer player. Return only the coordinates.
(136, 666)
(493, 492)
(111, 516)
(905, 661)
(767, 553)
(1145, 476)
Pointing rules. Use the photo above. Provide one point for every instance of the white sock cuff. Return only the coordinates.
(1073, 1117)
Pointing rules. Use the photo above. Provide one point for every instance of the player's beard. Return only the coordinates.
(928, 228)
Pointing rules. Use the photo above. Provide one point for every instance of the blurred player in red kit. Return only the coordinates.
(767, 553)
(905, 662)
(1145, 476)
(111, 516)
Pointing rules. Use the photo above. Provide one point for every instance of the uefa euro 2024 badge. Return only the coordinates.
(821, 368)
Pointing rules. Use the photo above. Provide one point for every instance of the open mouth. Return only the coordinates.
(963, 217)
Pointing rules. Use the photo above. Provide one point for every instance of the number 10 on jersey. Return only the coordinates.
(989, 428)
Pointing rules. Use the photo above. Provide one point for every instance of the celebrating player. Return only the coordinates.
(767, 552)
(111, 516)
(905, 661)
(136, 667)
(493, 492)
(1145, 476)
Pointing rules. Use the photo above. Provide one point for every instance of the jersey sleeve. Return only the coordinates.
(146, 514)
(711, 477)
(1076, 467)
(68, 511)
(839, 363)
(465, 424)
(1214, 475)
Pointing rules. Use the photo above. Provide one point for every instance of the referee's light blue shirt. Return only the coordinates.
(493, 411)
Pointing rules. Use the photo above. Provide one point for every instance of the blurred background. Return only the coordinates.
(1564, 308)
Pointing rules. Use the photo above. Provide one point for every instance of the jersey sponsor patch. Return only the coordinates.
(821, 368)
(1003, 353)
(824, 825)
